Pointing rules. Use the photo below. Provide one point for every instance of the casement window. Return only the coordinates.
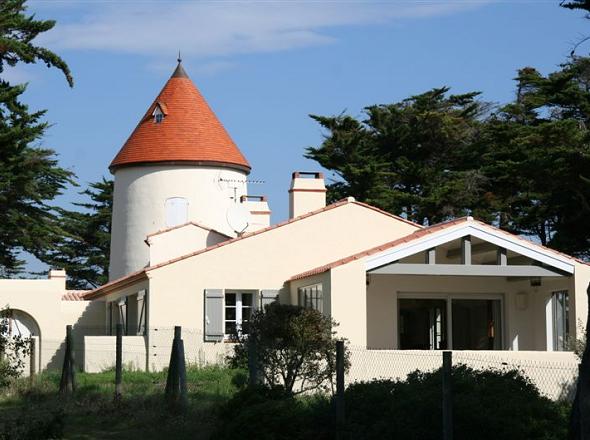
(227, 312)
(141, 312)
(238, 311)
(560, 312)
(311, 297)
(176, 211)
(441, 322)
(118, 313)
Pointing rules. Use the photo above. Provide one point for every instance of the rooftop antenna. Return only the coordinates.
(234, 184)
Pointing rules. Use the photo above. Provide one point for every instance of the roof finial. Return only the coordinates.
(179, 59)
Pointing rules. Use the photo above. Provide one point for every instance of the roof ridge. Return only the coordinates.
(190, 222)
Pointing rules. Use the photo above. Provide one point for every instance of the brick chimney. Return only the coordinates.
(307, 193)
(259, 212)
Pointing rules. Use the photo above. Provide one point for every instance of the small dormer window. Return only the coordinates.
(158, 115)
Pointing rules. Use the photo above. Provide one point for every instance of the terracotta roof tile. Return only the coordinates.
(189, 132)
(74, 295)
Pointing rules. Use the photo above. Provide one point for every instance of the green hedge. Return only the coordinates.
(487, 405)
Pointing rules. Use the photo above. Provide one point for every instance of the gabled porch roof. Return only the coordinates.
(430, 237)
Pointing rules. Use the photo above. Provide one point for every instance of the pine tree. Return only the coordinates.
(30, 177)
(413, 158)
(17, 32)
(537, 157)
(84, 248)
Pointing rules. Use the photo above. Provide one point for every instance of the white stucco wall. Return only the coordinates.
(263, 261)
(41, 299)
(582, 286)
(139, 206)
(100, 353)
(181, 241)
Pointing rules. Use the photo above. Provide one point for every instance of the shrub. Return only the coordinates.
(267, 414)
(487, 405)
(33, 423)
(294, 348)
(13, 350)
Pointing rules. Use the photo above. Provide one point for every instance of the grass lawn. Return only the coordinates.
(91, 413)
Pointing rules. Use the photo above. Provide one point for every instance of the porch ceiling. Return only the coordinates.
(467, 270)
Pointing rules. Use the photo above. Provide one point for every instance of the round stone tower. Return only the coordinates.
(178, 165)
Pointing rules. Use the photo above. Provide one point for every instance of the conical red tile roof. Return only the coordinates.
(189, 131)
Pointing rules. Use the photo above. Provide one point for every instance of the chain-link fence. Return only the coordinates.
(554, 373)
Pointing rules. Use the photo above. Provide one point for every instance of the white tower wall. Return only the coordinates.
(139, 200)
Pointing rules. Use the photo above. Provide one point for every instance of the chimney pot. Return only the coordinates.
(307, 193)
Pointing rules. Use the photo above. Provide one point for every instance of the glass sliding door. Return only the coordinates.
(422, 324)
(446, 321)
(476, 324)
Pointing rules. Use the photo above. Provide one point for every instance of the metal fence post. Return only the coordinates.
(182, 374)
(447, 395)
(252, 363)
(339, 400)
(119, 362)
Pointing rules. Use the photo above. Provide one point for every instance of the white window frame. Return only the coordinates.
(142, 312)
(449, 297)
(552, 324)
(239, 308)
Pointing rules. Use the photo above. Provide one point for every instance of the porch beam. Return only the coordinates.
(479, 248)
(502, 257)
(473, 270)
(466, 250)
(430, 256)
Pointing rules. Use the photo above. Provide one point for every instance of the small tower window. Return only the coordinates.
(176, 211)
(158, 115)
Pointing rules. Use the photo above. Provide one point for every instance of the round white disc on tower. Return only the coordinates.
(238, 217)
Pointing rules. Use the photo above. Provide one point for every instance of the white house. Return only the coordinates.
(192, 247)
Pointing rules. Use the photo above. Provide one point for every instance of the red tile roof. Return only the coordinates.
(135, 276)
(189, 131)
(74, 295)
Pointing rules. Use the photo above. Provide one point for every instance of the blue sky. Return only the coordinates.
(264, 66)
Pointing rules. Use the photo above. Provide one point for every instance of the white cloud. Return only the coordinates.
(224, 28)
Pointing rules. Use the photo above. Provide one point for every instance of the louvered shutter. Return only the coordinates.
(268, 297)
(214, 315)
